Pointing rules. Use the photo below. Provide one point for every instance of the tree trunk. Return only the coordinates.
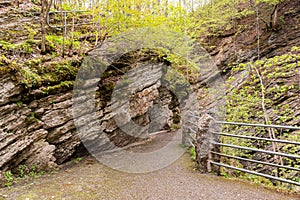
(274, 17)
(43, 28)
(45, 8)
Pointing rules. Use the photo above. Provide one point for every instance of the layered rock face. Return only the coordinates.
(240, 45)
(41, 131)
(127, 108)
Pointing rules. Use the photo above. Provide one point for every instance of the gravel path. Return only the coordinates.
(92, 180)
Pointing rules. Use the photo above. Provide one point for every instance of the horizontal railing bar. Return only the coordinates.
(195, 116)
(250, 124)
(193, 112)
(258, 125)
(190, 128)
(192, 123)
(50, 12)
(256, 138)
(69, 25)
(256, 161)
(256, 173)
(257, 150)
(67, 11)
(191, 143)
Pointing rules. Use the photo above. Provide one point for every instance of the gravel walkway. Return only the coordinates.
(92, 180)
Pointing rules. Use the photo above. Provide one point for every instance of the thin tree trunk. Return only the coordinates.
(267, 120)
(64, 32)
(43, 29)
(45, 8)
(274, 17)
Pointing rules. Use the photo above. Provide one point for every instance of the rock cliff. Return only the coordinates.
(41, 132)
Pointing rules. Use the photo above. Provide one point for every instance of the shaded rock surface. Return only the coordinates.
(40, 130)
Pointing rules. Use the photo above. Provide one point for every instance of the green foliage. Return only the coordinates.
(38, 74)
(77, 160)
(31, 118)
(32, 33)
(67, 7)
(34, 173)
(22, 170)
(215, 17)
(36, 2)
(30, 78)
(19, 103)
(123, 15)
(4, 61)
(244, 104)
(257, 179)
(55, 42)
(9, 178)
(20, 173)
(55, 88)
(271, 2)
(23, 47)
(175, 127)
(177, 83)
(193, 153)
(110, 18)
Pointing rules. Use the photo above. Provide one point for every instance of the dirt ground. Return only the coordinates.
(91, 180)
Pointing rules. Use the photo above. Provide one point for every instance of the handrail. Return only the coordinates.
(258, 150)
(256, 161)
(251, 124)
(256, 173)
(64, 12)
(213, 151)
(258, 125)
(67, 11)
(257, 138)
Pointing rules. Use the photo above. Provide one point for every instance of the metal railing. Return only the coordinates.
(217, 143)
(63, 15)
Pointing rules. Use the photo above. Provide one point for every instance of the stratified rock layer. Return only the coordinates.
(41, 131)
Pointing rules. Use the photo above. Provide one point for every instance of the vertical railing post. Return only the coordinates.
(185, 131)
(215, 148)
(64, 32)
(203, 143)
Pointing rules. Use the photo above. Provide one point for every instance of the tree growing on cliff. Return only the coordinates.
(45, 8)
(272, 22)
